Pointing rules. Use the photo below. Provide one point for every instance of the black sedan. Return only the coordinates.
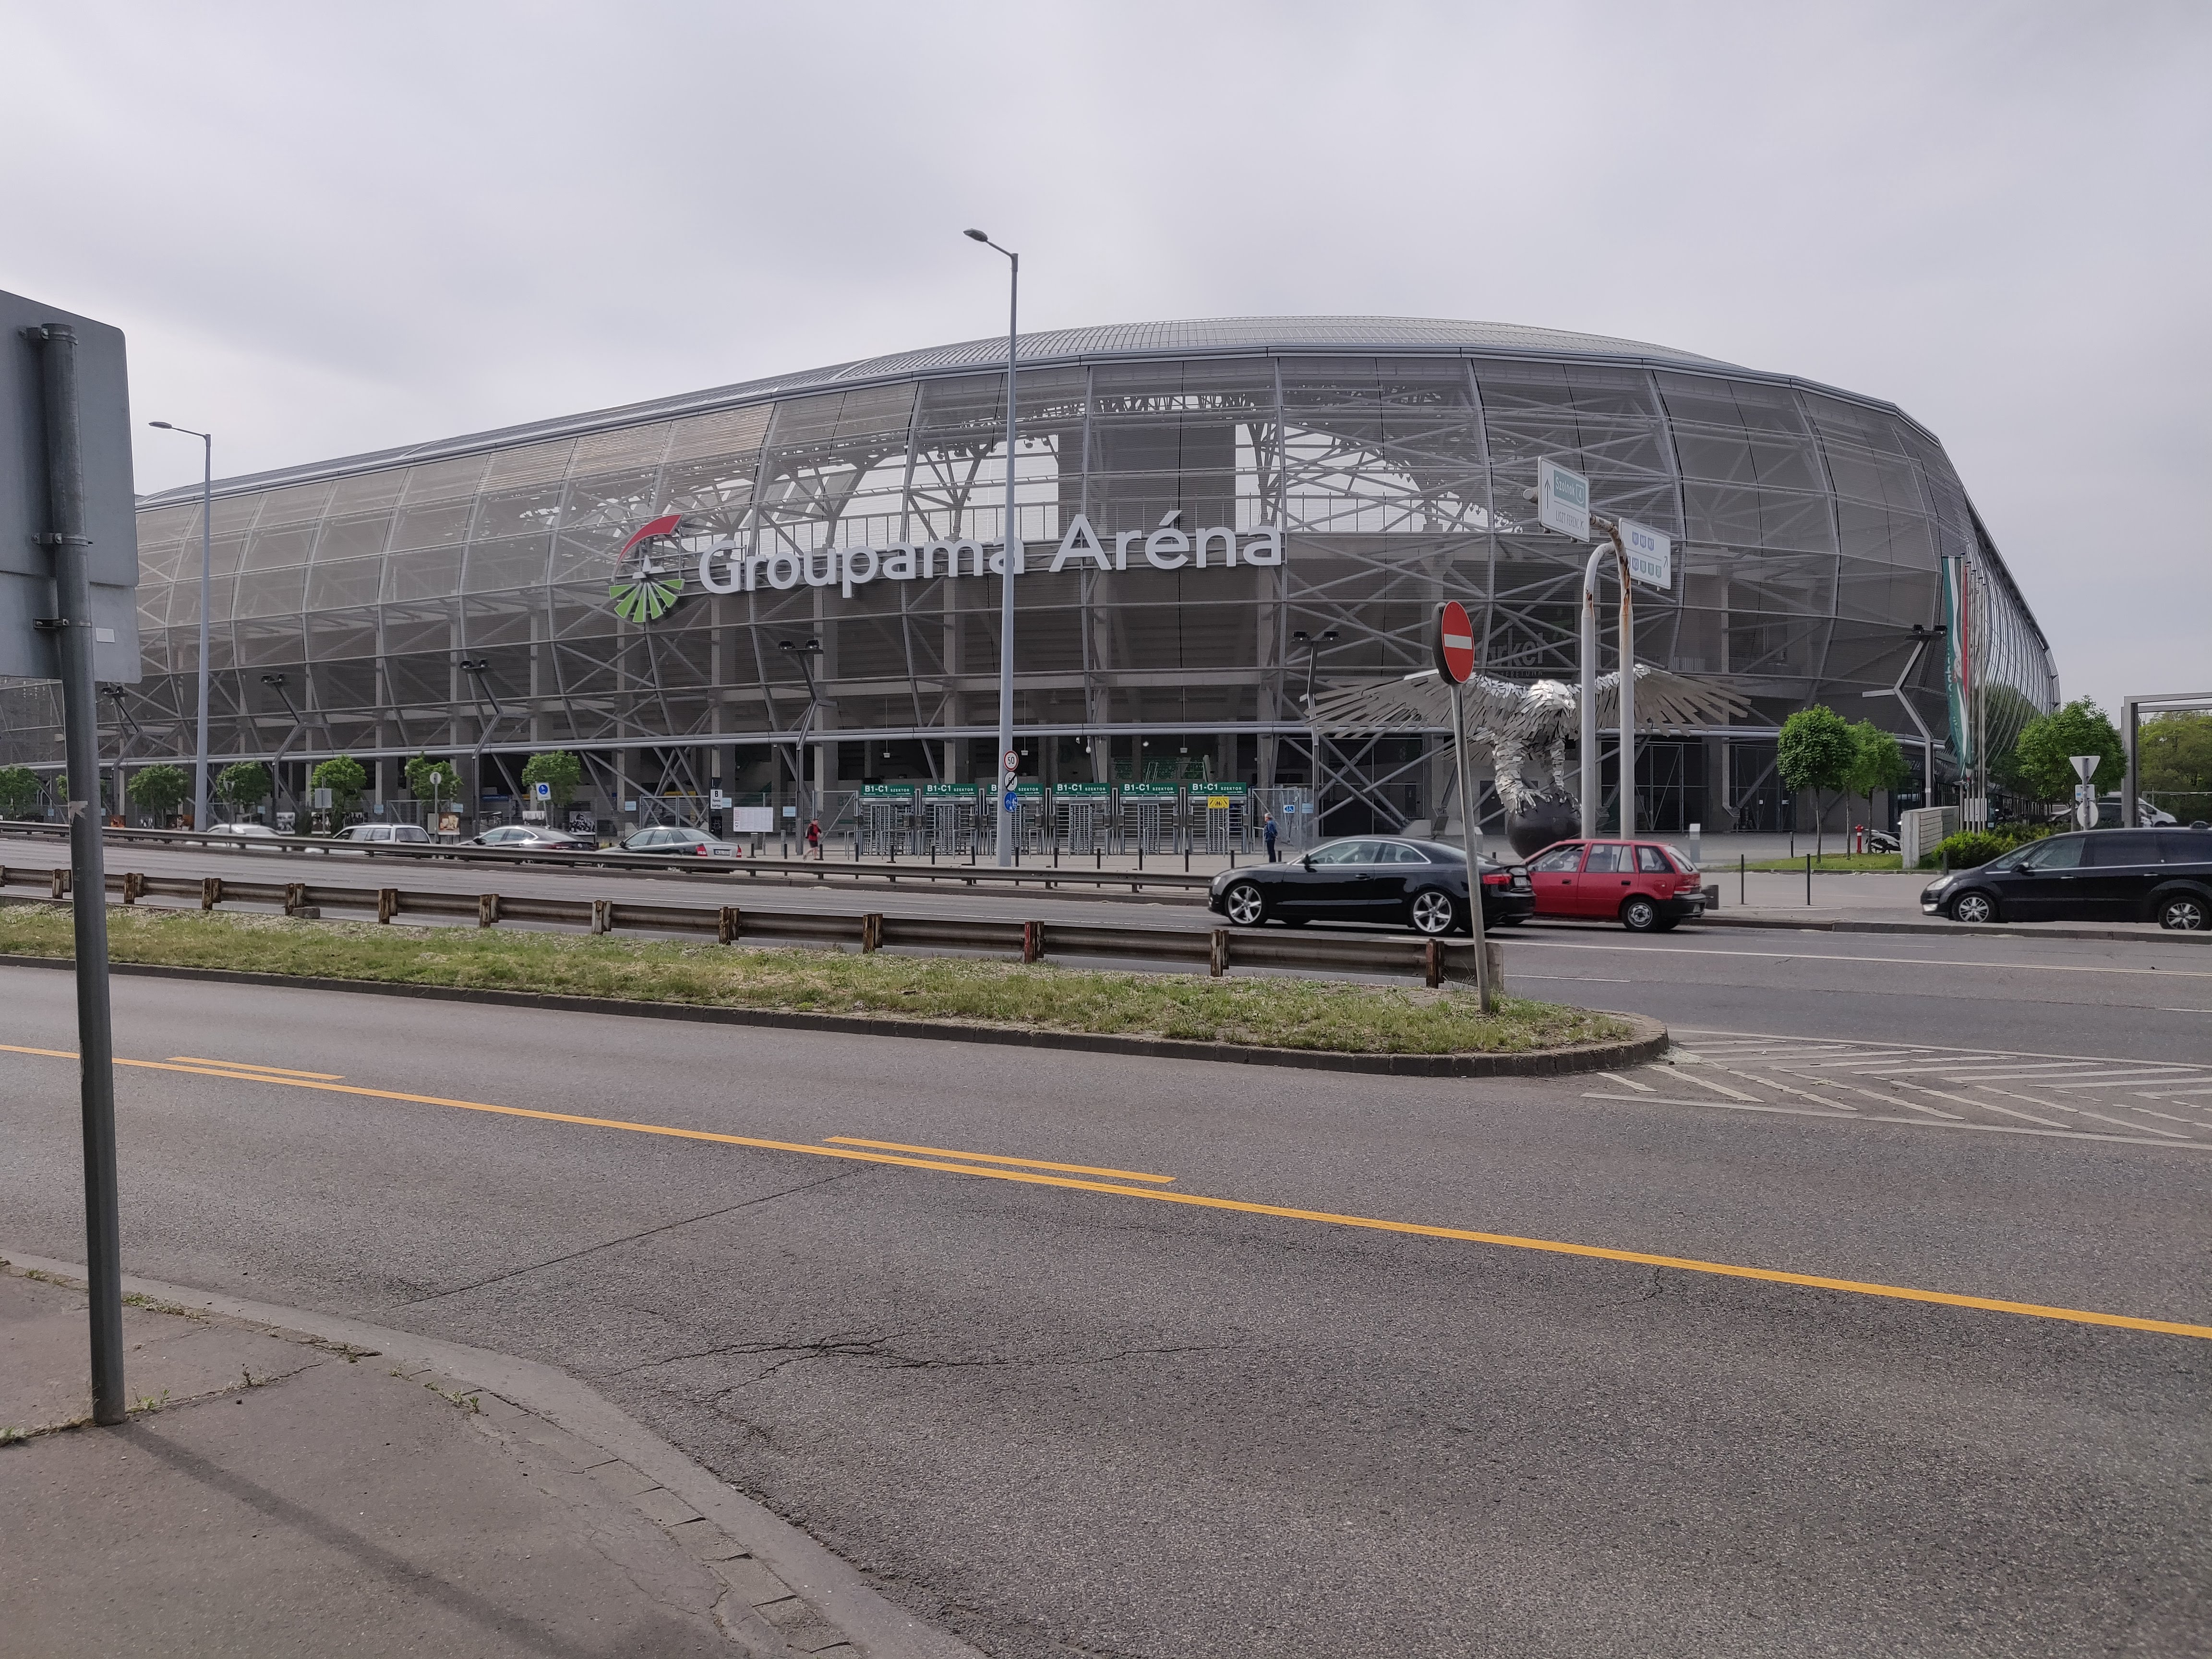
(533, 838)
(1420, 885)
(2163, 876)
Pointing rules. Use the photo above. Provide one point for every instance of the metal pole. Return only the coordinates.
(1008, 804)
(1590, 772)
(2129, 783)
(1468, 840)
(207, 566)
(1627, 691)
(88, 875)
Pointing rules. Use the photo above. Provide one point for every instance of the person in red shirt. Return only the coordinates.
(814, 838)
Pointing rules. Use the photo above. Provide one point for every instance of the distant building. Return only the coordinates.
(1242, 483)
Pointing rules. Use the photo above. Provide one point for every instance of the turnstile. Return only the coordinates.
(1083, 818)
(948, 813)
(1151, 821)
(889, 825)
(1220, 823)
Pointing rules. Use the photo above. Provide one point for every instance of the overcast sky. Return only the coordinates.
(329, 229)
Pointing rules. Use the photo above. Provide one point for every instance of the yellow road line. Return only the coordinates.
(248, 1066)
(990, 1157)
(1372, 1224)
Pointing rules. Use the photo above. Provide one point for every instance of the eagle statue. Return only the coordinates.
(1513, 724)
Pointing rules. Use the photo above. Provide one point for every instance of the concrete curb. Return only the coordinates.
(836, 1591)
(1648, 1043)
(2145, 935)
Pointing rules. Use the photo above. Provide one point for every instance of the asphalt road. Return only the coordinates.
(1061, 1414)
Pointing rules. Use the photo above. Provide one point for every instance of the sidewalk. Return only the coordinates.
(278, 1492)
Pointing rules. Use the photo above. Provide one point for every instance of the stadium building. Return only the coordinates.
(783, 592)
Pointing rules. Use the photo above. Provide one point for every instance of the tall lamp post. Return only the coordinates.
(207, 548)
(1007, 802)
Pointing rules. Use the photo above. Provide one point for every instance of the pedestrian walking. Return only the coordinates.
(814, 838)
(1267, 834)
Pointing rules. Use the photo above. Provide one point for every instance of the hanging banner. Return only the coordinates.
(1958, 657)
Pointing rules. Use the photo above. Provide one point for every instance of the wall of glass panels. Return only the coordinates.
(435, 605)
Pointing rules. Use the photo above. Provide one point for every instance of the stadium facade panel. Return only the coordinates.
(1211, 515)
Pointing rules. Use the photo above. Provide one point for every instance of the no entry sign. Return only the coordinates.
(1455, 643)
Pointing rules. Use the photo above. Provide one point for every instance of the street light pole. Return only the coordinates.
(207, 557)
(1008, 804)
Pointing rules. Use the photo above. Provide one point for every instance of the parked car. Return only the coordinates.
(2161, 875)
(687, 843)
(533, 838)
(1647, 886)
(246, 831)
(1421, 885)
(412, 835)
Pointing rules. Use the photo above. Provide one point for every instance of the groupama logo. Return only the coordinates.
(645, 589)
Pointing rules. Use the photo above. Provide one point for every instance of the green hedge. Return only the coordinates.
(1971, 848)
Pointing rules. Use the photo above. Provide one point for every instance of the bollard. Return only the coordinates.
(603, 915)
(387, 904)
(210, 891)
(1032, 941)
(1809, 880)
(295, 896)
(59, 883)
(725, 926)
(1494, 954)
(1743, 864)
(1433, 962)
(1217, 958)
(134, 886)
(871, 934)
(487, 910)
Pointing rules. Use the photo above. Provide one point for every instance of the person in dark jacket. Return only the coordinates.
(1267, 834)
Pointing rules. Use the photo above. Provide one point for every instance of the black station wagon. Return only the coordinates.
(2163, 876)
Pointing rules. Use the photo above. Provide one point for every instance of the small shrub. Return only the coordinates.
(1967, 850)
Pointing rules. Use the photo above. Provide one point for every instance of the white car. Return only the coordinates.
(411, 834)
(243, 831)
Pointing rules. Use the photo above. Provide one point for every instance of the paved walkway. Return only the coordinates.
(277, 1493)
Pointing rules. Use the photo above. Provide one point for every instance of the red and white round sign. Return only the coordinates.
(1455, 643)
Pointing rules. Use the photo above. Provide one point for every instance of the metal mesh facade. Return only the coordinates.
(1390, 456)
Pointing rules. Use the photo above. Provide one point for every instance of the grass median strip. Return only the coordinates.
(1282, 1013)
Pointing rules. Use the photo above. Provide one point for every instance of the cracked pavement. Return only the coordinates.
(1058, 1421)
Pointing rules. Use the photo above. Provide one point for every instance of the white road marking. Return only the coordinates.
(1771, 1083)
(1628, 1082)
(2178, 1145)
(1887, 962)
(1718, 1088)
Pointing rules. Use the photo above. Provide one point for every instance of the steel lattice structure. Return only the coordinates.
(1390, 456)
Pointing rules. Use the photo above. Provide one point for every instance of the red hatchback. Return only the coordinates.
(1646, 885)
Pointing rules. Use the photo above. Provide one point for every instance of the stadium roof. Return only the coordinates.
(1215, 337)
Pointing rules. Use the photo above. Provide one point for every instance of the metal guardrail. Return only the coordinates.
(1434, 961)
(892, 871)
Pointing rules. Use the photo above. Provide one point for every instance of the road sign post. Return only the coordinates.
(1455, 643)
(69, 553)
(2085, 793)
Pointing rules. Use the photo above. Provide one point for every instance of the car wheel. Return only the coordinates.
(2182, 913)
(1973, 908)
(1639, 915)
(1434, 914)
(1246, 905)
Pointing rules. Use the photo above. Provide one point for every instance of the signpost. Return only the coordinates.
(1563, 501)
(1650, 554)
(2085, 793)
(68, 569)
(1456, 663)
(543, 791)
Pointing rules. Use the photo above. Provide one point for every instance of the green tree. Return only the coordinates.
(1815, 753)
(2173, 756)
(2042, 768)
(433, 780)
(345, 778)
(19, 791)
(160, 789)
(245, 785)
(559, 768)
(1877, 762)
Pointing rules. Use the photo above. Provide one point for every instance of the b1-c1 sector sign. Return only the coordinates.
(28, 651)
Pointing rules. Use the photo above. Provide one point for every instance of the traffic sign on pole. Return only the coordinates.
(1563, 501)
(1011, 759)
(1009, 801)
(1650, 554)
(1455, 643)
(543, 791)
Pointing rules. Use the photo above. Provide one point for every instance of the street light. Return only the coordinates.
(207, 552)
(1006, 801)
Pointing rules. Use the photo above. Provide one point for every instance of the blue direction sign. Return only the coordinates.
(1007, 801)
